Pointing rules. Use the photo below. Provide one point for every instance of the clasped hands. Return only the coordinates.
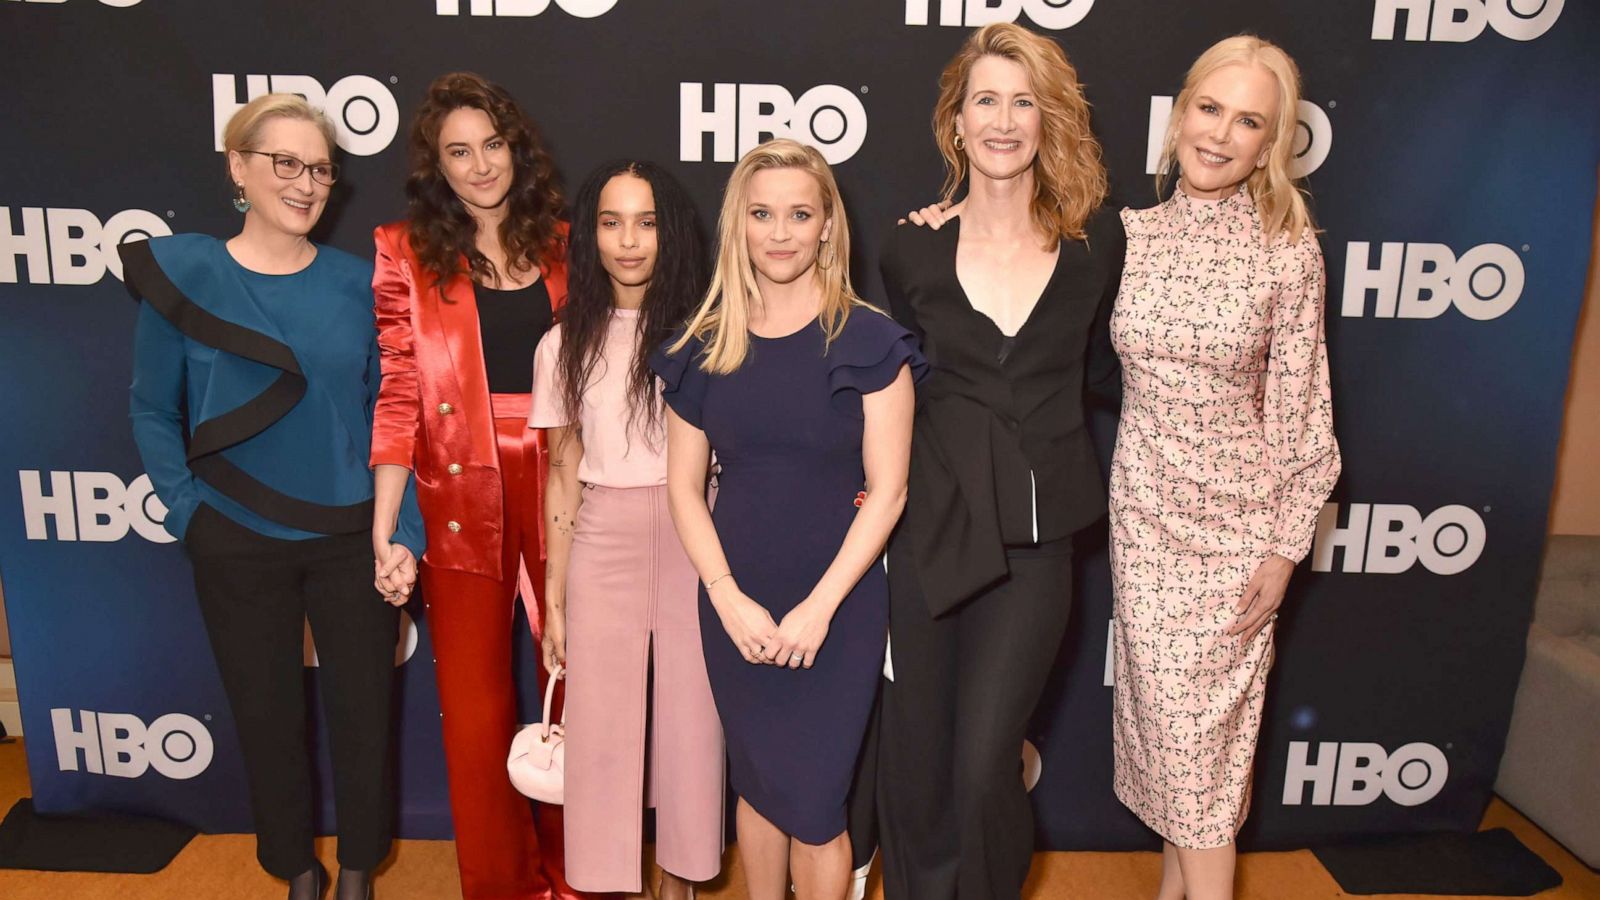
(794, 642)
(394, 569)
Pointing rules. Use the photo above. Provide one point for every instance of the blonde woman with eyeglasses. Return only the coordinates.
(255, 371)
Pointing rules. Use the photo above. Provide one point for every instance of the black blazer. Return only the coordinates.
(1001, 453)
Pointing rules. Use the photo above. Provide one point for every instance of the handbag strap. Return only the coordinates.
(549, 699)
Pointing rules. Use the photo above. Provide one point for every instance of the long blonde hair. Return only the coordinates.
(1068, 175)
(723, 318)
(1278, 198)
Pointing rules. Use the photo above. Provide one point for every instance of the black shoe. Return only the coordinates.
(302, 887)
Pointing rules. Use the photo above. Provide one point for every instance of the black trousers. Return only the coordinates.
(954, 817)
(256, 594)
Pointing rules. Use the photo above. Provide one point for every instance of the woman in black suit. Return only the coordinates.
(1011, 300)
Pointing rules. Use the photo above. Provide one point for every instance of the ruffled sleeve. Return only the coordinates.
(683, 382)
(866, 358)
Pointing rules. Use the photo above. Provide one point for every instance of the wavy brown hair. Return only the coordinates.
(442, 231)
(1068, 176)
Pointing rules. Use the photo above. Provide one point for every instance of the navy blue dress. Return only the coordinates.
(786, 428)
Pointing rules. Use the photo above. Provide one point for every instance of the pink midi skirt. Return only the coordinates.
(632, 604)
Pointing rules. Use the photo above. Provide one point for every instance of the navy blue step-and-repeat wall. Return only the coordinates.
(1451, 146)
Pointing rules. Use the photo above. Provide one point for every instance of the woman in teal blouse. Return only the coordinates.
(255, 373)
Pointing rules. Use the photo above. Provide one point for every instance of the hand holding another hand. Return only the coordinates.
(800, 635)
(747, 622)
(394, 570)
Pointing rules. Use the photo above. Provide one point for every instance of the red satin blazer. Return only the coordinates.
(433, 414)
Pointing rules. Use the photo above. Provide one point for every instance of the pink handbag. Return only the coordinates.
(538, 753)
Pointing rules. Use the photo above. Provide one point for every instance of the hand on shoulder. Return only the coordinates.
(934, 216)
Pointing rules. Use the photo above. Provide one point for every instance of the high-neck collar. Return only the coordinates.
(1202, 211)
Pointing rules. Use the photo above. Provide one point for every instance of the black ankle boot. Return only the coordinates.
(354, 885)
(310, 884)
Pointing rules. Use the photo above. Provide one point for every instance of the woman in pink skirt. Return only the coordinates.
(620, 594)
(1224, 456)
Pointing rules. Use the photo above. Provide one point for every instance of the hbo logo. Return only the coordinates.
(69, 246)
(1484, 283)
(1355, 774)
(583, 9)
(1312, 141)
(1053, 14)
(1387, 539)
(92, 506)
(827, 117)
(1457, 21)
(365, 116)
(119, 744)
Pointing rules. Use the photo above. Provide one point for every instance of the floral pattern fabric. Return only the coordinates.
(1225, 455)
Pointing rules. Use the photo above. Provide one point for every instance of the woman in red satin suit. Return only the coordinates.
(464, 289)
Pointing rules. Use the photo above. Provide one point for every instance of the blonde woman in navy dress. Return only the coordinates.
(805, 394)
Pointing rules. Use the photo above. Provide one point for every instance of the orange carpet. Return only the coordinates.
(223, 867)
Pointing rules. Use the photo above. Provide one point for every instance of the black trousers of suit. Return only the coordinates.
(256, 593)
(954, 816)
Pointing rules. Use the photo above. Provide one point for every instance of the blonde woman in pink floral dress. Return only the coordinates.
(1225, 454)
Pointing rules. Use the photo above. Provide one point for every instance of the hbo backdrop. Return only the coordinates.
(1450, 144)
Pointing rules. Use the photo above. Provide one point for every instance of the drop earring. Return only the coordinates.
(239, 201)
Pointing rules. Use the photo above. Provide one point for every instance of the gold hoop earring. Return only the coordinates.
(830, 252)
(961, 142)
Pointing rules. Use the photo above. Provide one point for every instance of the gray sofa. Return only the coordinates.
(1551, 769)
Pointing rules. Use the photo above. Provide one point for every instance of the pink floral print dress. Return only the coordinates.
(1224, 457)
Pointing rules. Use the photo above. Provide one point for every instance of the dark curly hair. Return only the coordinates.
(677, 286)
(441, 229)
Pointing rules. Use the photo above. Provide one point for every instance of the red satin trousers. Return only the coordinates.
(506, 849)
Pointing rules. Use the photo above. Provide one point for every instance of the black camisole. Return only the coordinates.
(512, 322)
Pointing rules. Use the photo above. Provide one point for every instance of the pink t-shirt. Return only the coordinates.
(612, 457)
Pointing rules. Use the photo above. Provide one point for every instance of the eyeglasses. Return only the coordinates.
(289, 167)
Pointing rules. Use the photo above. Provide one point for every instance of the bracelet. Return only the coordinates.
(713, 581)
